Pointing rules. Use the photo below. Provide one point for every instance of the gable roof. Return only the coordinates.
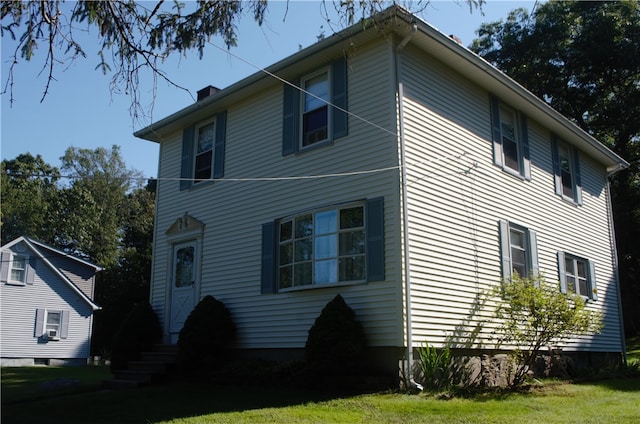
(409, 28)
(43, 252)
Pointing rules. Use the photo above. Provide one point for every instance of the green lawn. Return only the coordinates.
(28, 397)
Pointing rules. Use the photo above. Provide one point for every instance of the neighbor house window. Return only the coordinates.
(519, 251)
(52, 324)
(203, 147)
(577, 275)
(566, 166)
(18, 269)
(340, 244)
(510, 139)
(314, 108)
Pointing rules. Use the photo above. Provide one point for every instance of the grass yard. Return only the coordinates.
(28, 396)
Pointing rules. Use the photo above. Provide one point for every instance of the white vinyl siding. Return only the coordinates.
(231, 248)
(456, 197)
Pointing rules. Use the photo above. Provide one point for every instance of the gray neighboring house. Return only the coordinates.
(47, 305)
(393, 166)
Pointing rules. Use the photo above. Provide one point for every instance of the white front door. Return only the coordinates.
(183, 285)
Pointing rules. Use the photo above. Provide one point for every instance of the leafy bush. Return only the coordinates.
(336, 340)
(434, 364)
(534, 315)
(205, 337)
(139, 331)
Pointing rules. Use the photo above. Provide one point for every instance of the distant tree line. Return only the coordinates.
(92, 207)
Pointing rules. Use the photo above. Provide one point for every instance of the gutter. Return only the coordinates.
(405, 210)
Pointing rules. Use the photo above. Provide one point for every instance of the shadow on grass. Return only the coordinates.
(158, 403)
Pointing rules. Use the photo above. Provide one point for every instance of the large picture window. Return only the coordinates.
(322, 247)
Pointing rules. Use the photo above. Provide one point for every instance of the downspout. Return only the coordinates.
(616, 272)
(405, 212)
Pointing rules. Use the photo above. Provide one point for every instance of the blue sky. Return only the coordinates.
(80, 111)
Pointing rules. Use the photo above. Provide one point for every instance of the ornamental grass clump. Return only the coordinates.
(434, 365)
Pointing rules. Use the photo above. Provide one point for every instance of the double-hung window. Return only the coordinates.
(325, 246)
(203, 147)
(519, 251)
(18, 273)
(577, 275)
(52, 324)
(566, 169)
(314, 109)
(510, 139)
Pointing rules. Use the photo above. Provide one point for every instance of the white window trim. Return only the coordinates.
(195, 149)
(303, 92)
(10, 280)
(576, 189)
(592, 291)
(314, 285)
(531, 250)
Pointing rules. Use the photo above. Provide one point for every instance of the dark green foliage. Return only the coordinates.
(139, 332)
(203, 343)
(336, 338)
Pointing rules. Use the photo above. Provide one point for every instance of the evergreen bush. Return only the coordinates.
(336, 341)
(203, 342)
(139, 331)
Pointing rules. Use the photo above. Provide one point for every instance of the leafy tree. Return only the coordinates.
(91, 222)
(30, 195)
(139, 36)
(533, 314)
(583, 58)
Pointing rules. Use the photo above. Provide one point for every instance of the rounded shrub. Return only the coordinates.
(139, 331)
(203, 342)
(336, 339)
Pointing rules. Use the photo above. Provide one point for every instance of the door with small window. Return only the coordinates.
(183, 285)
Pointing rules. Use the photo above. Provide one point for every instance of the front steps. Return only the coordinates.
(153, 367)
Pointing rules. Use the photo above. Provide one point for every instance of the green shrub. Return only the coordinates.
(336, 339)
(203, 342)
(534, 315)
(434, 364)
(139, 331)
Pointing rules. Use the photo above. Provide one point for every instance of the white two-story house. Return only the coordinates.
(393, 166)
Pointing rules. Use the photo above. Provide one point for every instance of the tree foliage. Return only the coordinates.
(135, 37)
(583, 58)
(533, 315)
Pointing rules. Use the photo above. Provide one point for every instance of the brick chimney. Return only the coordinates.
(209, 90)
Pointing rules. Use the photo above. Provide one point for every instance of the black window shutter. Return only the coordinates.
(496, 131)
(375, 239)
(526, 158)
(186, 168)
(339, 98)
(578, 178)
(268, 274)
(218, 152)
(290, 119)
(555, 155)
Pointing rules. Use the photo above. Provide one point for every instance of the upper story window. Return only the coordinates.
(314, 109)
(519, 251)
(510, 139)
(340, 244)
(577, 275)
(566, 169)
(205, 137)
(16, 268)
(203, 147)
(315, 112)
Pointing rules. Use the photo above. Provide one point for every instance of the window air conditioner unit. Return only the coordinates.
(52, 334)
